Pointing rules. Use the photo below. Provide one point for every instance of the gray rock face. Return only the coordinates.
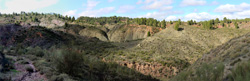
(54, 23)
(94, 32)
(121, 34)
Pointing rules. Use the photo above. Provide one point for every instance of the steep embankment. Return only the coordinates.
(168, 52)
(131, 32)
(118, 33)
(228, 62)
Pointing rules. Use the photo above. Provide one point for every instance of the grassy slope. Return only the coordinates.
(176, 48)
(229, 62)
(188, 44)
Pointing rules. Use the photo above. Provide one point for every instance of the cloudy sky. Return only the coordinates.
(159, 9)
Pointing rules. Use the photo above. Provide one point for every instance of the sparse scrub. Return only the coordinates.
(205, 72)
(241, 72)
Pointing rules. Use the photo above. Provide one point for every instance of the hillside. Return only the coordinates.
(227, 62)
(168, 52)
(53, 47)
(37, 53)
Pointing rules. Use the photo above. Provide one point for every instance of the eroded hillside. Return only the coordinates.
(168, 52)
(227, 62)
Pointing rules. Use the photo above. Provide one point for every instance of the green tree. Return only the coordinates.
(176, 26)
(225, 20)
(217, 21)
(190, 22)
(163, 24)
(212, 22)
(236, 25)
(222, 24)
(171, 22)
(149, 33)
(127, 22)
(179, 21)
(73, 19)
(207, 25)
(34, 19)
(66, 17)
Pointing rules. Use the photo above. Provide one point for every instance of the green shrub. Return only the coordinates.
(241, 72)
(61, 77)
(149, 34)
(69, 62)
(37, 51)
(205, 72)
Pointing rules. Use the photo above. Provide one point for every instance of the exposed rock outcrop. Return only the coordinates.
(94, 32)
(119, 33)
(153, 69)
(131, 32)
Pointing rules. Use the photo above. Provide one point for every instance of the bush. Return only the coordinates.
(37, 51)
(241, 72)
(205, 72)
(61, 77)
(69, 62)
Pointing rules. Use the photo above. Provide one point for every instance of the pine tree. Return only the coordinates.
(207, 25)
(195, 22)
(222, 24)
(236, 25)
(176, 26)
(73, 19)
(171, 22)
(179, 21)
(163, 24)
(225, 20)
(217, 21)
(149, 34)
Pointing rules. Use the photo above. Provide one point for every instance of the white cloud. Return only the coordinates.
(206, 16)
(139, 2)
(110, 0)
(149, 1)
(192, 2)
(91, 4)
(160, 15)
(214, 3)
(228, 8)
(157, 4)
(70, 13)
(99, 12)
(26, 5)
(125, 8)
(196, 10)
(243, 13)
(200, 16)
(166, 8)
(172, 18)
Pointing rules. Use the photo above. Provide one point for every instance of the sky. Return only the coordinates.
(198, 10)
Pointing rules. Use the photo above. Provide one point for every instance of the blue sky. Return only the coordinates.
(159, 9)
